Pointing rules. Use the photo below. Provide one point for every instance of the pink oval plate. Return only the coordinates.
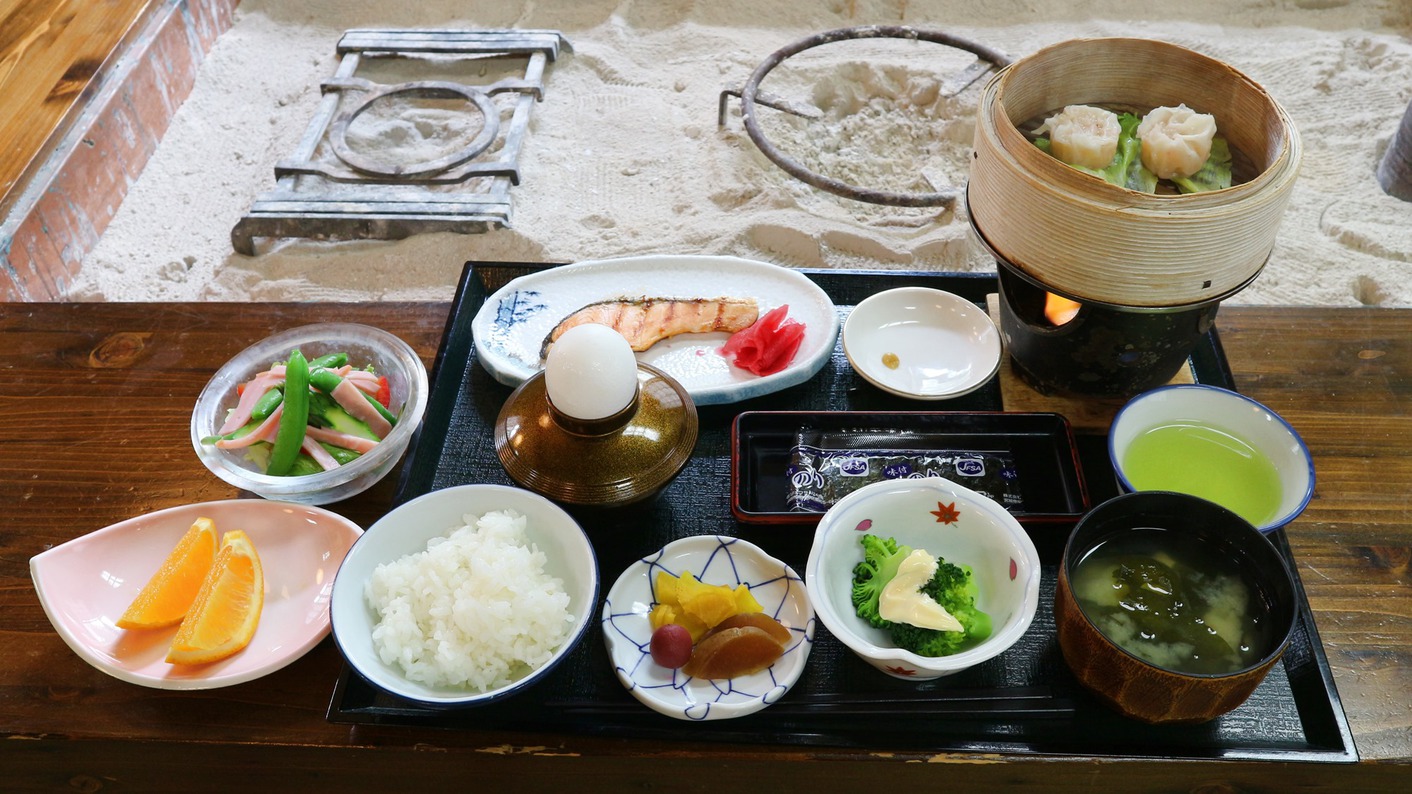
(87, 583)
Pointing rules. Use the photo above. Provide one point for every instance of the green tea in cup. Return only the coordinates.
(1201, 460)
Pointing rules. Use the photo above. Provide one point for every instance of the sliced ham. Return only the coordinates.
(369, 384)
(351, 398)
(258, 387)
(320, 455)
(355, 443)
(265, 432)
(363, 379)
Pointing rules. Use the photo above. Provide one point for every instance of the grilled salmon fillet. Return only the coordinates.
(646, 321)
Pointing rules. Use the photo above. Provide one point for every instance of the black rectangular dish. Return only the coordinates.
(1038, 448)
(1024, 701)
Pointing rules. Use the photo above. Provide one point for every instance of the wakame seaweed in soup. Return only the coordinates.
(1173, 601)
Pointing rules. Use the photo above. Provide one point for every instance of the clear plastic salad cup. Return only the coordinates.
(389, 357)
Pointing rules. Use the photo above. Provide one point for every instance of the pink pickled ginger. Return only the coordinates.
(769, 345)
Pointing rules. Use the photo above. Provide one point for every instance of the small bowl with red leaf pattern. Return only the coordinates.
(951, 522)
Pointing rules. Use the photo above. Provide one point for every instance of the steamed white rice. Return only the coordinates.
(476, 609)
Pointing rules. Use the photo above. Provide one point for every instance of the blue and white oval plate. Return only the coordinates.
(512, 324)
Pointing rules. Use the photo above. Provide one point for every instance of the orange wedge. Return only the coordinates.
(227, 610)
(168, 595)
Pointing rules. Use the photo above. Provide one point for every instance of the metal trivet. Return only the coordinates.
(358, 197)
(751, 95)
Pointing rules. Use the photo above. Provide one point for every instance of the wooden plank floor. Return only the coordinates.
(50, 53)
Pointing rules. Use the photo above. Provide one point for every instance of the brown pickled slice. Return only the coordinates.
(730, 653)
(760, 621)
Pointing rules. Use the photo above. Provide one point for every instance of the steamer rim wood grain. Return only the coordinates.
(1104, 243)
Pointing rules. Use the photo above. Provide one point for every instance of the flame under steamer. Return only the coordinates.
(1062, 345)
(1059, 310)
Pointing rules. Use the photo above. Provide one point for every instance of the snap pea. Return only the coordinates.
(327, 381)
(303, 464)
(343, 456)
(266, 404)
(330, 360)
(295, 419)
(239, 432)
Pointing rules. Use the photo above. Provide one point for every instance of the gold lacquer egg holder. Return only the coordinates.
(619, 459)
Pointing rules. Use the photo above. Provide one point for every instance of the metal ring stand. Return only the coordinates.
(751, 94)
(352, 196)
(490, 127)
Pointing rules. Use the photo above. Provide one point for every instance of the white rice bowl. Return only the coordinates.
(507, 630)
(475, 609)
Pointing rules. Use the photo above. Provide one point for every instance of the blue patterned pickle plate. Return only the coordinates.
(715, 560)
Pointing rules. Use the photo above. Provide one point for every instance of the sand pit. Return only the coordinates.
(624, 155)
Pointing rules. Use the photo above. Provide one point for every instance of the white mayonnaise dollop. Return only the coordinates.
(902, 600)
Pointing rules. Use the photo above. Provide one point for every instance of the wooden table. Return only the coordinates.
(94, 409)
(52, 53)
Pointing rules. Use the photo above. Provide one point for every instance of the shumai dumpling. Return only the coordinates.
(1175, 141)
(1083, 135)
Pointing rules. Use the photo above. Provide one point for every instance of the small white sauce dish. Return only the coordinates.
(714, 560)
(922, 343)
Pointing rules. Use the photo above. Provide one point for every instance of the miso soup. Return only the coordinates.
(1174, 601)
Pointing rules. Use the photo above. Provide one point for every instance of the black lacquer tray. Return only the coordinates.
(1024, 701)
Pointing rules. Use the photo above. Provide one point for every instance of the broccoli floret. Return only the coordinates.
(952, 586)
(881, 559)
(927, 642)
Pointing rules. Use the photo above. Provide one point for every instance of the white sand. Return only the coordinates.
(624, 155)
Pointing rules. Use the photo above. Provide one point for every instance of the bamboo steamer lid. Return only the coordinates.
(1095, 241)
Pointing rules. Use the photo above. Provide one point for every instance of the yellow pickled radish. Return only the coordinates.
(695, 605)
(663, 614)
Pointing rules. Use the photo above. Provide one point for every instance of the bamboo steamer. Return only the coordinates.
(1094, 241)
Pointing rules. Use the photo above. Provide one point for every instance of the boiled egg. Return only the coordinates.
(590, 372)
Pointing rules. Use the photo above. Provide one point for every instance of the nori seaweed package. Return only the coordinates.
(827, 466)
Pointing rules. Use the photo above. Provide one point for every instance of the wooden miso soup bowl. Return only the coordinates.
(1137, 688)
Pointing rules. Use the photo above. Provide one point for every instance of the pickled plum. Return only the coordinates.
(671, 645)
